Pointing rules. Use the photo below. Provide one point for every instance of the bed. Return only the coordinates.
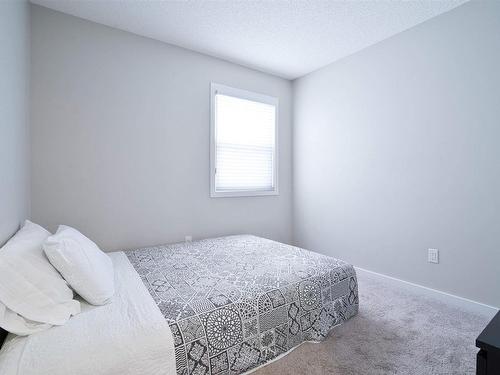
(218, 306)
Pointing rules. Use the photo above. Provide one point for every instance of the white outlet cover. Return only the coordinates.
(433, 256)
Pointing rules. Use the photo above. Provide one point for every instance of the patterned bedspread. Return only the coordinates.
(235, 303)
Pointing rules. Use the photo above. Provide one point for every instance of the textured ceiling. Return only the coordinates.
(286, 38)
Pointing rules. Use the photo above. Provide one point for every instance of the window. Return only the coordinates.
(243, 131)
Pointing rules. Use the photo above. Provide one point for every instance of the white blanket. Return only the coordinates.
(127, 336)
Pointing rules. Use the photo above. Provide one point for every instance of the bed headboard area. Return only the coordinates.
(5, 234)
(3, 335)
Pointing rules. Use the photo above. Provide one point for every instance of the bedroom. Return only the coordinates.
(201, 145)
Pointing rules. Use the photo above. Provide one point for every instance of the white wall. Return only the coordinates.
(120, 138)
(14, 109)
(396, 150)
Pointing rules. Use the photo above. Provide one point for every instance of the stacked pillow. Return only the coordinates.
(33, 294)
(83, 265)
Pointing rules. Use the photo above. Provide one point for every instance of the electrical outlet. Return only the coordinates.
(433, 256)
(188, 238)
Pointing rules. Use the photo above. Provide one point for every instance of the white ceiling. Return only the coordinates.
(286, 38)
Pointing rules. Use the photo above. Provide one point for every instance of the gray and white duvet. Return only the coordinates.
(235, 303)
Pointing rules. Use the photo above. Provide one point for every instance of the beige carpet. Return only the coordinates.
(397, 331)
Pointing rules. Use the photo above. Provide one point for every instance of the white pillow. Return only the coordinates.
(33, 295)
(15, 323)
(85, 267)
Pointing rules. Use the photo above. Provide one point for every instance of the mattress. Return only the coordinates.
(219, 306)
(235, 303)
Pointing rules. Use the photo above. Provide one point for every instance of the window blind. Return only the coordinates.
(244, 144)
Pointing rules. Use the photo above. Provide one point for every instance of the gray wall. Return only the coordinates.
(14, 109)
(120, 138)
(396, 150)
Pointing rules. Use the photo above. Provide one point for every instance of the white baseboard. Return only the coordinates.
(467, 304)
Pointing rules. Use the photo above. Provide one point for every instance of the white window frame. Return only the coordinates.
(216, 88)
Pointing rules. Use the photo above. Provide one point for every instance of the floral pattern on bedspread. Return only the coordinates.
(235, 303)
